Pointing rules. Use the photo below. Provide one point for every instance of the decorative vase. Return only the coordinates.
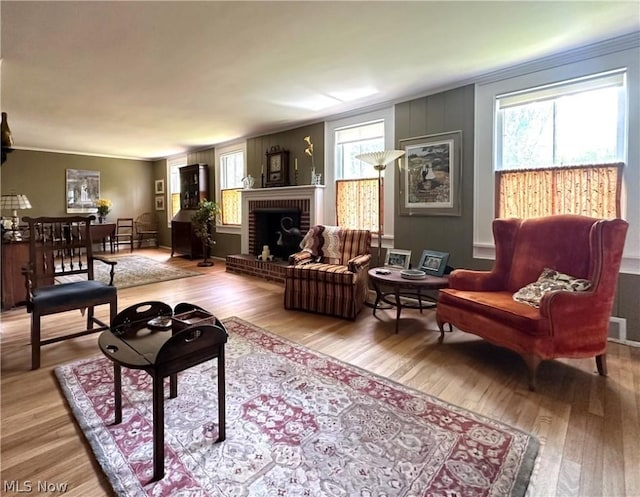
(102, 219)
(7, 140)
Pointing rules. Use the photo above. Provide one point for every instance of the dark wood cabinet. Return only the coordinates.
(183, 239)
(15, 256)
(194, 187)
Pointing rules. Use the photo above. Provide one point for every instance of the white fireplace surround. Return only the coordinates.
(313, 193)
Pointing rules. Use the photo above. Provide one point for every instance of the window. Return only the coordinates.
(570, 123)
(350, 182)
(616, 59)
(356, 181)
(173, 173)
(557, 148)
(231, 174)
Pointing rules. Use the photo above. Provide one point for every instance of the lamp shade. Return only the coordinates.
(379, 160)
(14, 202)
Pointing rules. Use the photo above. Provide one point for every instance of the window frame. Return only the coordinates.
(175, 162)
(577, 65)
(386, 115)
(225, 149)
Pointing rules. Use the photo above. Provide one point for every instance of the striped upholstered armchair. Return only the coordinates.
(329, 275)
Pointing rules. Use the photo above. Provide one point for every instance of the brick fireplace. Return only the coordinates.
(306, 201)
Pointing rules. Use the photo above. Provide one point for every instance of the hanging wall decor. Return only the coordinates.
(82, 191)
(430, 175)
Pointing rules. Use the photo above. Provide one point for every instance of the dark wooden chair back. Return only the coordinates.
(60, 276)
(59, 247)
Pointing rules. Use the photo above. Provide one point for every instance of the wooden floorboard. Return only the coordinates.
(588, 426)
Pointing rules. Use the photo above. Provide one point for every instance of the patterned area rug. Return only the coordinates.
(136, 270)
(298, 424)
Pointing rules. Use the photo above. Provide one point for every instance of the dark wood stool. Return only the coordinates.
(149, 336)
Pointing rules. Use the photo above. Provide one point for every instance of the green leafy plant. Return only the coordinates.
(203, 221)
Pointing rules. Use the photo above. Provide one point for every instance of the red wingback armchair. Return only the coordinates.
(566, 324)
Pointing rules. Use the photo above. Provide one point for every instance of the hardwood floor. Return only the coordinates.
(588, 426)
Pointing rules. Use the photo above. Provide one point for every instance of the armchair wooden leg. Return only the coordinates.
(532, 362)
(441, 327)
(601, 364)
(35, 340)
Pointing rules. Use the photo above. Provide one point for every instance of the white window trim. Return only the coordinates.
(223, 150)
(483, 246)
(387, 114)
(178, 160)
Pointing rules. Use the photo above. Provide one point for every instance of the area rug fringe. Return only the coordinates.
(299, 423)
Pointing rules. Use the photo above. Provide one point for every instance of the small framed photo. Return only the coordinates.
(398, 258)
(160, 203)
(159, 186)
(433, 263)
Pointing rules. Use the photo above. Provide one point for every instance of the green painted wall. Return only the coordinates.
(441, 113)
(293, 141)
(41, 177)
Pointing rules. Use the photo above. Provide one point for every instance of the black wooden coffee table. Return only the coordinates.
(162, 341)
(397, 291)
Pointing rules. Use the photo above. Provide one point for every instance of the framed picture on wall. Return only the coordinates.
(430, 175)
(82, 189)
(433, 263)
(160, 202)
(159, 186)
(398, 258)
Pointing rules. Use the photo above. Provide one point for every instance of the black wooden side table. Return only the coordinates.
(153, 337)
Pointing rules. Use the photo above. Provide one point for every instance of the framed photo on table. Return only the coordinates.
(398, 258)
(433, 263)
(431, 175)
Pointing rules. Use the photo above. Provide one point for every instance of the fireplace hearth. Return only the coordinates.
(306, 201)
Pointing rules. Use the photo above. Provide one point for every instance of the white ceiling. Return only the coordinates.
(152, 79)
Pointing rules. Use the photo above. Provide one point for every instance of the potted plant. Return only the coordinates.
(203, 221)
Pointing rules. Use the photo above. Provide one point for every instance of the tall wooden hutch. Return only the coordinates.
(194, 187)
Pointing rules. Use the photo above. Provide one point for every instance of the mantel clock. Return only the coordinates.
(277, 173)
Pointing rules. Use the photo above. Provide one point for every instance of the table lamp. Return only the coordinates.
(13, 202)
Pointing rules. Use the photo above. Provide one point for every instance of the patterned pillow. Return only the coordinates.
(549, 280)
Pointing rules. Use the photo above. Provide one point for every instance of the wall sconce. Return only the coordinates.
(13, 202)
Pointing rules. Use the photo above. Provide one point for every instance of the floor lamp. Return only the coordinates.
(379, 160)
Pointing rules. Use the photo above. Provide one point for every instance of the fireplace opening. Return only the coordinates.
(279, 228)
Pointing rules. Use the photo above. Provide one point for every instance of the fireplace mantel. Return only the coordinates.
(313, 193)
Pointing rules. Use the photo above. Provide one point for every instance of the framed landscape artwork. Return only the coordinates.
(82, 190)
(160, 202)
(430, 175)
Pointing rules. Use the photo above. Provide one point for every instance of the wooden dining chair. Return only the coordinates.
(124, 233)
(60, 277)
